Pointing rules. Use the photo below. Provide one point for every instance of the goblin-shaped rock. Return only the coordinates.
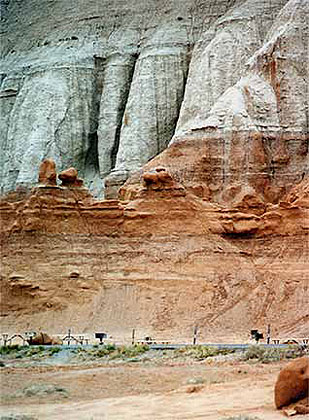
(69, 178)
(158, 178)
(47, 173)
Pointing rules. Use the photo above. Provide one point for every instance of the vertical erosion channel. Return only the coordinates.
(118, 75)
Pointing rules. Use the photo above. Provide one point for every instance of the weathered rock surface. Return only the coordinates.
(211, 232)
(162, 262)
(293, 383)
(66, 82)
(100, 88)
(220, 56)
(302, 407)
(254, 136)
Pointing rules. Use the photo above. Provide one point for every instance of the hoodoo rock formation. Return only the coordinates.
(191, 118)
(47, 173)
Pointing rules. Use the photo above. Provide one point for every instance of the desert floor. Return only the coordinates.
(151, 387)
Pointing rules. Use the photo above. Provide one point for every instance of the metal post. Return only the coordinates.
(133, 335)
(195, 335)
(69, 336)
(268, 334)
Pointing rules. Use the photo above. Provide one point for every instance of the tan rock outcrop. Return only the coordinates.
(292, 383)
(302, 407)
(145, 261)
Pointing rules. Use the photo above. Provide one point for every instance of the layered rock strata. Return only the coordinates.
(213, 230)
(161, 263)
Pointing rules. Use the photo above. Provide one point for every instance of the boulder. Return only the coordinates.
(47, 173)
(44, 339)
(292, 382)
(69, 178)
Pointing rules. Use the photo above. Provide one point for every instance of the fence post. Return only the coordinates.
(268, 334)
(5, 339)
(195, 335)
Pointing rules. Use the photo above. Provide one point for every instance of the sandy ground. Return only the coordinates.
(209, 390)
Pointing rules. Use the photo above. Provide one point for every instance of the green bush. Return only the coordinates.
(254, 352)
(33, 351)
(130, 351)
(9, 349)
(200, 352)
(113, 352)
(54, 350)
(110, 347)
(19, 352)
(268, 355)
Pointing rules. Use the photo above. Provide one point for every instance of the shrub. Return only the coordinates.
(130, 351)
(9, 349)
(110, 347)
(113, 352)
(44, 389)
(200, 352)
(54, 350)
(254, 352)
(268, 355)
(19, 352)
(34, 351)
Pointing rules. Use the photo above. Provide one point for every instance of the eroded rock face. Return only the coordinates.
(220, 56)
(145, 261)
(292, 383)
(100, 88)
(251, 135)
(267, 91)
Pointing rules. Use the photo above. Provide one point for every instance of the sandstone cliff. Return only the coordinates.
(161, 263)
(212, 230)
